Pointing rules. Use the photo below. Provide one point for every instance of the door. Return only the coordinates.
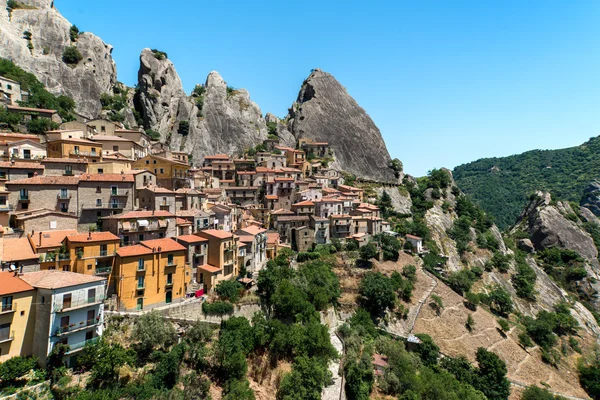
(91, 317)
(169, 297)
(67, 301)
(140, 304)
(64, 323)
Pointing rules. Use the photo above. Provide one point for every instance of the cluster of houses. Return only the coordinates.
(96, 216)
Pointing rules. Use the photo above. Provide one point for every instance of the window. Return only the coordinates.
(5, 332)
(91, 317)
(113, 190)
(155, 170)
(9, 86)
(162, 170)
(102, 129)
(89, 335)
(2, 200)
(115, 148)
(169, 279)
(27, 154)
(30, 175)
(68, 170)
(125, 240)
(76, 149)
(64, 193)
(100, 170)
(93, 151)
(161, 235)
(141, 237)
(170, 259)
(98, 189)
(98, 202)
(103, 250)
(64, 322)
(140, 282)
(141, 264)
(64, 207)
(140, 304)
(7, 303)
(147, 162)
(154, 162)
(67, 300)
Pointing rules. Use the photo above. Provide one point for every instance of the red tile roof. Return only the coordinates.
(50, 238)
(304, 203)
(107, 177)
(217, 157)
(92, 237)
(9, 284)
(253, 230)
(181, 221)
(135, 250)
(46, 180)
(142, 214)
(216, 233)
(16, 108)
(209, 268)
(413, 237)
(65, 160)
(165, 244)
(191, 239)
(273, 237)
(17, 249)
(54, 279)
(22, 165)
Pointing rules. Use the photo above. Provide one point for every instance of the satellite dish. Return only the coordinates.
(12, 268)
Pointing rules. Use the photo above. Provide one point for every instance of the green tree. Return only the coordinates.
(71, 55)
(73, 33)
(428, 350)
(184, 128)
(109, 358)
(537, 393)
(41, 125)
(152, 331)
(16, 367)
(500, 301)
(306, 381)
(229, 290)
(377, 293)
(368, 251)
(238, 389)
(491, 375)
(524, 281)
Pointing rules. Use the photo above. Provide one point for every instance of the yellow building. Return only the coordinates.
(92, 253)
(170, 173)
(150, 274)
(222, 260)
(17, 319)
(75, 148)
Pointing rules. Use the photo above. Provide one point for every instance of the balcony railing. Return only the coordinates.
(80, 345)
(103, 270)
(169, 284)
(119, 192)
(171, 263)
(6, 335)
(68, 173)
(76, 327)
(8, 308)
(97, 254)
(103, 205)
(23, 197)
(60, 307)
(84, 153)
(6, 207)
(64, 196)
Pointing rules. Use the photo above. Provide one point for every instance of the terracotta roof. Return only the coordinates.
(246, 172)
(246, 238)
(92, 237)
(191, 239)
(216, 233)
(16, 108)
(110, 138)
(106, 177)
(135, 250)
(216, 157)
(50, 238)
(284, 179)
(340, 216)
(273, 237)
(65, 160)
(413, 237)
(142, 214)
(165, 244)
(289, 218)
(209, 268)
(187, 190)
(74, 140)
(54, 279)
(22, 165)
(349, 188)
(379, 360)
(157, 189)
(253, 230)
(17, 249)
(19, 135)
(9, 284)
(46, 180)
(271, 197)
(192, 213)
(282, 211)
(264, 170)
(304, 203)
(181, 221)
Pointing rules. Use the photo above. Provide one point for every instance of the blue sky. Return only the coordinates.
(447, 82)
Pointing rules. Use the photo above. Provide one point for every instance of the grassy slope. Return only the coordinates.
(503, 191)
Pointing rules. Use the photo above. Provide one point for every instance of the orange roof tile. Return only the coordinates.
(50, 238)
(304, 203)
(216, 233)
(54, 279)
(181, 221)
(22, 165)
(191, 239)
(46, 180)
(209, 268)
(107, 177)
(273, 237)
(271, 197)
(253, 230)
(93, 237)
(9, 284)
(165, 244)
(65, 160)
(16, 108)
(142, 214)
(135, 250)
(17, 249)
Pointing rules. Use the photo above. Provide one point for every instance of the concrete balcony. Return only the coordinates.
(82, 303)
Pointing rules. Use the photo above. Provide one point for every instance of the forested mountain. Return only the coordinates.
(502, 186)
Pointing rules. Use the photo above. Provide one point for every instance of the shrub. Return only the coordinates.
(461, 281)
(491, 375)
(503, 324)
(153, 331)
(377, 293)
(500, 301)
(436, 303)
(198, 90)
(229, 290)
(428, 350)
(73, 33)
(536, 393)
(589, 377)
(154, 135)
(470, 324)
(16, 367)
(217, 308)
(41, 125)
(71, 55)
(184, 128)
(159, 55)
(524, 281)
(368, 251)
(410, 273)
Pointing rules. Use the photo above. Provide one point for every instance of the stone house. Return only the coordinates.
(102, 126)
(287, 224)
(29, 113)
(304, 208)
(416, 242)
(156, 198)
(188, 199)
(199, 219)
(64, 166)
(44, 192)
(340, 226)
(101, 195)
(171, 174)
(241, 195)
(321, 228)
(75, 148)
(256, 247)
(42, 220)
(25, 150)
(303, 239)
(127, 147)
(10, 91)
(136, 226)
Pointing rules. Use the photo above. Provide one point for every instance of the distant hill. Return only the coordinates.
(502, 186)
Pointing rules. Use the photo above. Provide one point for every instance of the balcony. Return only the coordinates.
(84, 153)
(8, 308)
(6, 335)
(24, 197)
(103, 270)
(80, 345)
(119, 193)
(96, 254)
(72, 328)
(81, 303)
(64, 196)
(68, 173)
(140, 287)
(98, 206)
(171, 263)
(169, 284)
(6, 207)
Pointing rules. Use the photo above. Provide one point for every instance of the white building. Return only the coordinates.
(69, 309)
(10, 91)
(416, 242)
(255, 239)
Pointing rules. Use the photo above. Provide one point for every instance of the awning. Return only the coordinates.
(126, 226)
(143, 222)
(162, 223)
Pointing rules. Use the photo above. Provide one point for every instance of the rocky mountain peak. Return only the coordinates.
(325, 111)
(42, 56)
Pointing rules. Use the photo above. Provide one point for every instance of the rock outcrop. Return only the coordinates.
(401, 202)
(325, 111)
(224, 121)
(285, 136)
(591, 197)
(95, 74)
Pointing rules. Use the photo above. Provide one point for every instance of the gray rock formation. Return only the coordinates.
(285, 136)
(400, 201)
(96, 72)
(591, 197)
(229, 122)
(325, 111)
(526, 245)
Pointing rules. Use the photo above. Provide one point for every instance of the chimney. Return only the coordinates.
(159, 249)
(40, 241)
(90, 235)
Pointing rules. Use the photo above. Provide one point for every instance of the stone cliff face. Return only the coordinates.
(591, 197)
(223, 121)
(93, 75)
(325, 111)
